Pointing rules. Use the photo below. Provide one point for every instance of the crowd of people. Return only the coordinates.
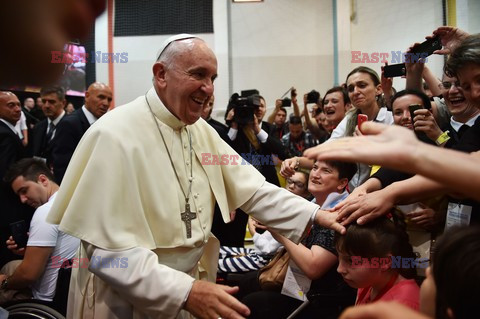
(380, 198)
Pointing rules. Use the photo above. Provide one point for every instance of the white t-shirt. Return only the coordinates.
(43, 234)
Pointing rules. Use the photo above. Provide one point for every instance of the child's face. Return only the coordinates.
(324, 180)
(297, 184)
(358, 274)
(428, 293)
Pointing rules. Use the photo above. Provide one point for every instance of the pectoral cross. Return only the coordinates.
(187, 217)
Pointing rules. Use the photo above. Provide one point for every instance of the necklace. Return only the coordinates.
(187, 216)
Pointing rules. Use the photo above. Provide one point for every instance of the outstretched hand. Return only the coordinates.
(328, 219)
(451, 38)
(288, 167)
(212, 301)
(365, 208)
(387, 145)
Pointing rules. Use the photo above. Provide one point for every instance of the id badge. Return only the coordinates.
(458, 215)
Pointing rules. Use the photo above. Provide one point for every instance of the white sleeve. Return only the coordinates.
(159, 291)
(265, 244)
(286, 213)
(232, 134)
(23, 122)
(262, 136)
(41, 233)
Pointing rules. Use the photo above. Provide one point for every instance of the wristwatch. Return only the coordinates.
(4, 284)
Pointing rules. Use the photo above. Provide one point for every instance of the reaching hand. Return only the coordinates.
(423, 217)
(424, 121)
(212, 301)
(357, 192)
(329, 220)
(366, 208)
(386, 145)
(288, 167)
(278, 104)
(451, 38)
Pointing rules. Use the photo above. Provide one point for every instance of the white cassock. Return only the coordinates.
(121, 197)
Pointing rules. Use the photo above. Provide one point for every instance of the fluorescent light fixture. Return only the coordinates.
(237, 1)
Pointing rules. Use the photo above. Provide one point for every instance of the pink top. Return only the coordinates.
(405, 292)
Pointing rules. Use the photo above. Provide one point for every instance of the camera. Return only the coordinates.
(313, 97)
(244, 108)
(286, 102)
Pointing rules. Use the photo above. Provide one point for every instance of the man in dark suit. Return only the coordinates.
(255, 143)
(71, 129)
(11, 150)
(53, 99)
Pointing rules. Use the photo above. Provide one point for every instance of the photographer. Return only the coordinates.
(249, 136)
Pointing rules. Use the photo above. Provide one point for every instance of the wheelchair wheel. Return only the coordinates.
(32, 310)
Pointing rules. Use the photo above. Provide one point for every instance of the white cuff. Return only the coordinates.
(262, 136)
(232, 133)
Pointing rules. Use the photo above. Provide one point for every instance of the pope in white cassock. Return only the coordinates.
(136, 192)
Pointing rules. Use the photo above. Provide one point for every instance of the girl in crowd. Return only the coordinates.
(451, 287)
(369, 259)
(315, 257)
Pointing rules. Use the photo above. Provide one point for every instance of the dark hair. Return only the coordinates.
(365, 69)
(425, 100)
(295, 119)
(467, 52)
(345, 169)
(282, 109)
(58, 90)
(456, 272)
(29, 168)
(318, 110)
(340, 89)
(352, 120)
(377, 238)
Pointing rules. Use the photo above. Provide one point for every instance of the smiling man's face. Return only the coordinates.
(187, 82)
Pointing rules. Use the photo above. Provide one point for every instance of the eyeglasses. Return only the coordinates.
(448, 85)
(297, 184)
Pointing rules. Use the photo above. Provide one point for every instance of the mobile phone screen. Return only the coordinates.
(394, 70)
(19, 233)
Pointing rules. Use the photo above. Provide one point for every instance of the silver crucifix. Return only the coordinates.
(187, 217)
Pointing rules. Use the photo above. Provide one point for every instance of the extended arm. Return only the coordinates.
(32, 267)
